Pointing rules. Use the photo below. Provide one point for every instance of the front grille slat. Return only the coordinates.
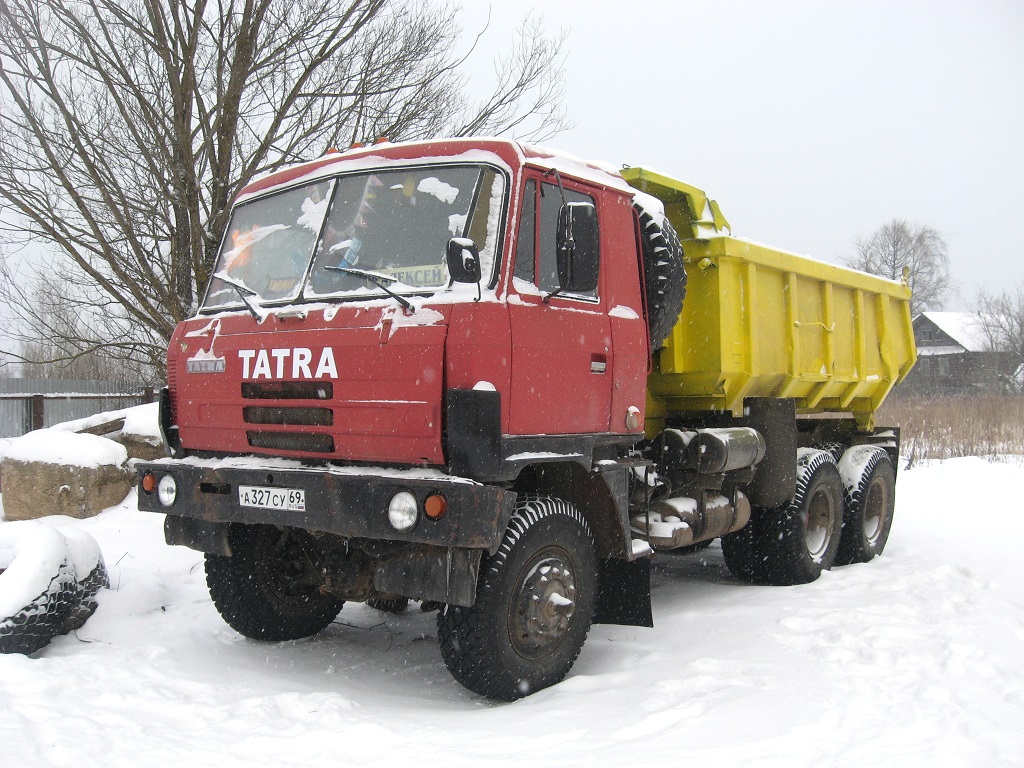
(291, 441)
(307, 417)
(288, 390)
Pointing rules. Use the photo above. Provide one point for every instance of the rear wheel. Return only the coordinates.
(870, 483)
(270, 588)
(794, 543)
(535, 600)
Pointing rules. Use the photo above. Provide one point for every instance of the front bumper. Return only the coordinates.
(351, 502)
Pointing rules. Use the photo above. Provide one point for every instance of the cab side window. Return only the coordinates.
(547, 262)
(526, 240)
(536, 256)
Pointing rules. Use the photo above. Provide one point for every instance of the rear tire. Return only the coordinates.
(870, 484)
(270, 588)
(794, 543)
(534, 604)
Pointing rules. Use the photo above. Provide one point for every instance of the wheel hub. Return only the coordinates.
(876, 508)
(819, 524)
(543, 605)
(290, 574)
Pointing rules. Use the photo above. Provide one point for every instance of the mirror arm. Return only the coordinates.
(570, 241)
(558, 180)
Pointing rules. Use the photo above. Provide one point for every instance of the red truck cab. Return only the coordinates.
(291, 357)
(407, 357)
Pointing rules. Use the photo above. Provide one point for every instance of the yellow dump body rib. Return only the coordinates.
(759, 322)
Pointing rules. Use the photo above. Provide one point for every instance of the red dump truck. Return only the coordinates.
(497, 379)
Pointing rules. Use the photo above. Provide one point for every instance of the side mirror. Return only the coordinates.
(463, 260)
(578, 247)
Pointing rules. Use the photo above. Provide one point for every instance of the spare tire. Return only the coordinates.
(664, 274)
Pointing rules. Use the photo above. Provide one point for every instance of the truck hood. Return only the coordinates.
(361, 382)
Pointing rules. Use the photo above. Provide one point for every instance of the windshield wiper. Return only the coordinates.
(243, 291)
(381, 281)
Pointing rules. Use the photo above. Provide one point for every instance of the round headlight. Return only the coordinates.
(167, 490)
(403, 511)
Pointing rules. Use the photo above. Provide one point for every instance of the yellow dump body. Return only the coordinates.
(758, 322)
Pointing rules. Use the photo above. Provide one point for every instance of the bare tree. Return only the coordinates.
(65, 354)
(920, 250)
(999, 319)
(128, 126)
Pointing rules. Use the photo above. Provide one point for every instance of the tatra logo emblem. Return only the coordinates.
(287, 363)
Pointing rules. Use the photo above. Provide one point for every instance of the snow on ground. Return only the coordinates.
(912, 660)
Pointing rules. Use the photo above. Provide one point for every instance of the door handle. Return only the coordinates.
(598, 363)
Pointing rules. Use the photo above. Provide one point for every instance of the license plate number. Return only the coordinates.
(290, 499)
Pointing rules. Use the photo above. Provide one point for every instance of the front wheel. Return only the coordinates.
(534, 604)
(270, 588)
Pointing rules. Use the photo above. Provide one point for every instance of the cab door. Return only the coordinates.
(562, 363)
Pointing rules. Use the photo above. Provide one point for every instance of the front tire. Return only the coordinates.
(794, 543)
(535, 601)
(270, 588)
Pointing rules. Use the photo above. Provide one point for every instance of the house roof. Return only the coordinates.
(961, 327)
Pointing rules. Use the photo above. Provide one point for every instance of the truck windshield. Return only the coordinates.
(289, 246)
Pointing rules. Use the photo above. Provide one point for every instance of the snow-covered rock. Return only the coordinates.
(54, 472)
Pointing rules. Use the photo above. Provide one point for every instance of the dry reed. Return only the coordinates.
(987, 425)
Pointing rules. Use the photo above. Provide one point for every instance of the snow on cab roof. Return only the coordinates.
(503, 153)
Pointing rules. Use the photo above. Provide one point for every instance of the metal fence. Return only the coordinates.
(27, 404)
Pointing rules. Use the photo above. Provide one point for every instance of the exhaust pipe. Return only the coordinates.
(679, 521)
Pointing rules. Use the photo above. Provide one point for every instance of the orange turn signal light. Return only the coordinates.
(435, 506)
(149, 482)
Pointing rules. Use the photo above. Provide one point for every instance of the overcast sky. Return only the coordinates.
(811, 123)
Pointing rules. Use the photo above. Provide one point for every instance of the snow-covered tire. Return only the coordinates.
(270, 587)
(90, 575)
(869, 483)
(664, 275)
(835, 449)
(794, 543)
(38, 591)
(534, 605)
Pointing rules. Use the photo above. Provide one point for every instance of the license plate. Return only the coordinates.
(290, 499)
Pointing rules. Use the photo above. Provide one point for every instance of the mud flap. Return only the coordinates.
(199, 535)
(624, 593)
